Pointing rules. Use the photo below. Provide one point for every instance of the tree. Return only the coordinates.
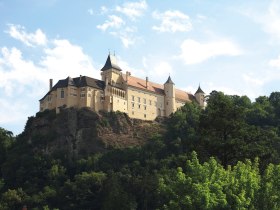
(221, 124)
(85, 191)
(269, 196)
(200, 186)
(13, 199)
(6, 141)
(183, 127)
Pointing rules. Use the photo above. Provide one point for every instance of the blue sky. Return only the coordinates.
(230, 46)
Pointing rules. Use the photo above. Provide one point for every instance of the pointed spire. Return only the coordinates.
(111, 63)
(169, 80)
(199, 90)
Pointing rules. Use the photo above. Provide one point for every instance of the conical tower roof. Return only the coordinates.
(169, 81)
(199, 90)
(111, 63)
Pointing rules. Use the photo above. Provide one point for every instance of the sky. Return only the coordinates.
(229, 46)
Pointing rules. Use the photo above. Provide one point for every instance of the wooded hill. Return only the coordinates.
(224, 157)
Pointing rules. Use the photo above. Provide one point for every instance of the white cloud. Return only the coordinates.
(132, 9)
(120, 28)
(24, 81)
(30, 39)
(253, 81)
(275, 62)
(194, 52)
(268, 18)
(134, 71)
(113, 22)
(126, 35)
(65, 59)
(16, 72)
(209, 87)
(161, 70)
(271, 21)
(172, 21)
(104, 10)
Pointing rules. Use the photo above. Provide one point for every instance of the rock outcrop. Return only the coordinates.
(79, 132)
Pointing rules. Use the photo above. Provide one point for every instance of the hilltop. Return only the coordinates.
(81, 132)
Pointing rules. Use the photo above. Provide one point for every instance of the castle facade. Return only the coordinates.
(117, 91)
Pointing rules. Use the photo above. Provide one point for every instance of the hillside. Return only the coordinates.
(81, 132)
(226, 156)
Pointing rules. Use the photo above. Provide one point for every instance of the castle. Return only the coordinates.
(116, 91)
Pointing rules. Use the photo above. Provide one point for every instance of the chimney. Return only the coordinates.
(147, 82)
(51, 83)
(127, 75)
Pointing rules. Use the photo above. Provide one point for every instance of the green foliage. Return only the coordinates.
(235, 164)
(13, 199)
(182, 127)
(210, 186)
(270, 189)
(6, 142)
(84, 191)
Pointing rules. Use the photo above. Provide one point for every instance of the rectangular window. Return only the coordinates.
(138, 99)
(82, 95)
(144, 100)
(145, 107)
(139, 106)
(150, 102)
(73, 92)
(132, 98)
(145, 115)
(62, 94)
(132, 104)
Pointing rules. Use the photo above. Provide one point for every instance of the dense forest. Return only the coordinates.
(226, 156)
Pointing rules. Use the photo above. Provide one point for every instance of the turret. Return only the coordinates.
(170, 103)
(199, 96)
(111, 71)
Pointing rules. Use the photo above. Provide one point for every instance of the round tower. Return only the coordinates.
(169, 99)
(199, 96)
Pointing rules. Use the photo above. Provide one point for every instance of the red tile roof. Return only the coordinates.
(156, 88)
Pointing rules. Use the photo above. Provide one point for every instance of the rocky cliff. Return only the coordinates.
(79, 132)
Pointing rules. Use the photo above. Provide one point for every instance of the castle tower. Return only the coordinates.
(111, 72)
(169, 99)
(199, 96)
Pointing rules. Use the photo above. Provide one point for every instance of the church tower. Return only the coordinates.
(170, 103)
(111, 72)
(199, 96)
